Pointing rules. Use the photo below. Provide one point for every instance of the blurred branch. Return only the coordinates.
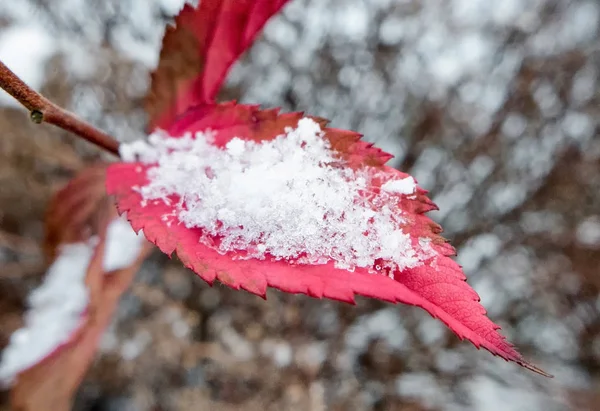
(42, 109)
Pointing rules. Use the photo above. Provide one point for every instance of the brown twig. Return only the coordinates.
(43, 110)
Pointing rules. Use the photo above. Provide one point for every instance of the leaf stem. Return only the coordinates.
(43, 110)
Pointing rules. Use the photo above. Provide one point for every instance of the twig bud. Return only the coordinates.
(36, 116)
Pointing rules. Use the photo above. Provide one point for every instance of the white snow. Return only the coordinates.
(123, 245)
(57, 306)
(404, 186)
(291, 198)
(55, 312)
(171, 7)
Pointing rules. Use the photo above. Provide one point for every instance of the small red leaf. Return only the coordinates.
(73, 213)
(198, 52)
(53, 382)
(436, 283)
(69, 312)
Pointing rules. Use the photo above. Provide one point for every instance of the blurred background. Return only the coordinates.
(493, 106)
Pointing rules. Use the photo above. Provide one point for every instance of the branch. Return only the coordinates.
(43, 110)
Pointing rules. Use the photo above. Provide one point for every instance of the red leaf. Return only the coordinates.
(73, 213)
(438, 285)
(231, 120)
(198, 52)
(53, 382)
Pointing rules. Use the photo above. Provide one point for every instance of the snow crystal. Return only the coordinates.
(54, 314)
(290, 198)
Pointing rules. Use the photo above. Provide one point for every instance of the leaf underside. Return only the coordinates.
(439, 286)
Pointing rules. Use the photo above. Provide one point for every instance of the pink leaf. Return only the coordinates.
(437, 284)
(198, 52)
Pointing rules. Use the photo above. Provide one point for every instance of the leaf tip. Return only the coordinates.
(535, 369)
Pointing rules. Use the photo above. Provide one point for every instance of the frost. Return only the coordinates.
(291, 198)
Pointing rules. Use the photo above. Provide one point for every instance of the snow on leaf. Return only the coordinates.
(55, 312)
(52, 382)
(57, 307)
(85, 240)
(199, 50)
(231, 120)
(256, 198)
(122, 246)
